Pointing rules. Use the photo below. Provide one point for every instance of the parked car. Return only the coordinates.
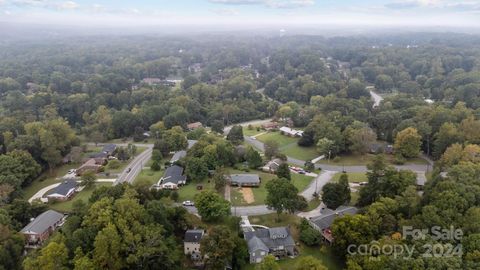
(188, 203)
(129, 169)
(72, 171)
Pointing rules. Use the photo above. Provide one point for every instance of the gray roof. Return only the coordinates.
(109, 148)
(44, 221)
(191, 143)
(327, 216)
(256, 244)
(173, 174)
(99, 155)
(193, 236)
(178, 155)
(270, 238)
(64, 187)
(244, 178)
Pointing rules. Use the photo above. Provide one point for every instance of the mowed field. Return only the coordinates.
(288, 146)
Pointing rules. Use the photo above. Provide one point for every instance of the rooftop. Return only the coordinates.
(64, 187)
(173, 174)
(193, 236)
(245, 178)
(265, 239)
(327, 216)
(44, 221)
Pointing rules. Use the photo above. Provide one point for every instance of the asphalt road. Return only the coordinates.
(135, 166)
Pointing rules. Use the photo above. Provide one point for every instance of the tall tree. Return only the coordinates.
(211, 206)
(408, 142)
(217, 247)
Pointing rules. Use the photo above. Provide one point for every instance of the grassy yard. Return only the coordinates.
(352, 177)
(260, 193)
(84, 195)
(189, 191)
(149, 176)
(252, 132)
(289, 146)
(48, 179)
(357, 160)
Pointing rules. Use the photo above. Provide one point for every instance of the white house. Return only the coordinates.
(291, 132)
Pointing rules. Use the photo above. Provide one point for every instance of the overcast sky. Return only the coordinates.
(244, 12)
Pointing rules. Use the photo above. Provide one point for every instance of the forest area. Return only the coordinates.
(62, 93)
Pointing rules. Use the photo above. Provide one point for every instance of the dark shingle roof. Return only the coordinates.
(271, 238)
(109, 148)
(64, 187)
(44, 221)
(244, 178)
(327, 216)
(193, 236)
(173, 174)
(178, 155)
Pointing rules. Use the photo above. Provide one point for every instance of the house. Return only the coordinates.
(172, 179)
(193, 126)
(275, 241)
(40, 228)
(63, 192)
(272, 165)
(152, 81)
(178, 155)
(245, 180)
(109, 149)
(195, 68)
(91, 164)
(291, 132)
(323, 222)
(191, 243)
(270, 125)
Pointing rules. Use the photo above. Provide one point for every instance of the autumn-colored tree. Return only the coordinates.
(407, 142)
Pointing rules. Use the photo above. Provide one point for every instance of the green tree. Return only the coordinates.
(196, 169)
(217, 247)
(271, 148)
(407, 142)
(283, 171)
(325, 146)
(211, 206)
(352, 230)
(253, 158)
(235, 135)
(269, 263)
(336, 194)
(88, 179)
(155, 166)
(362, 139)
(107, 248)
(281, 196)
(309, 263)
(53, 256)
(308, 235)
(356, 89)
(219, 179)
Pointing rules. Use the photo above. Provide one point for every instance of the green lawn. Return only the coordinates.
(289, 146)
(356, 160)
(83, 195)
(149, 176)
(282, 140)
(260, 193)
(352, 177)
(313, 204)
(252, 132)
(189, 191)
(48, 179)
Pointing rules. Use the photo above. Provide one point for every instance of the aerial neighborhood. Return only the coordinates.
(250, 150)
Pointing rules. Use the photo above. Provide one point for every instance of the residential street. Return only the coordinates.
(135, 166)
(317, 184)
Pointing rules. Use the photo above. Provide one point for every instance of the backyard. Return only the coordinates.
(260, 193)
(83, 195)
(288, 146)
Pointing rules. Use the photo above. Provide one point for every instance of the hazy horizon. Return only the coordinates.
(243, 13)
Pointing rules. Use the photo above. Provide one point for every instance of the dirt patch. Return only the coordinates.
(247, 195)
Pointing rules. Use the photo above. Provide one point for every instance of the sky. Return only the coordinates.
(459, 13)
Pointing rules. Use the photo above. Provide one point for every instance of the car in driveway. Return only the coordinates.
(188, 203)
